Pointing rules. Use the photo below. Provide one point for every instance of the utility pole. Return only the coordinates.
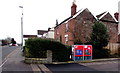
(21, 28)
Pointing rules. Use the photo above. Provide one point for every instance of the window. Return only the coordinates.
(61, 38)
(66, 39)
(66, 42)
(67, 27)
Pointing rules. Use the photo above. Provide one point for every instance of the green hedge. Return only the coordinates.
(100, 53)
(37, 47)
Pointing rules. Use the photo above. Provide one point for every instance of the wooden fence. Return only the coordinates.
(113, 47)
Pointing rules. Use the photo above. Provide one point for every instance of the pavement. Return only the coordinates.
(15, 63)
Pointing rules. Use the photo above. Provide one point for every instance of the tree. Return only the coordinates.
(99, 35)
(99, 39)
(13, 41)
(4, 42)
(8, 39)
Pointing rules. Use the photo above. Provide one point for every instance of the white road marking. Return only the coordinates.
(3, 63)
(6, 58)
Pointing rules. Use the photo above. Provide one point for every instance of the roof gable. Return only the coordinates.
(87, 14)
(98, 16)
(106, 16)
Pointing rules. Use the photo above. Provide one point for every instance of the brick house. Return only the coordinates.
(79, 26)
(112, 25)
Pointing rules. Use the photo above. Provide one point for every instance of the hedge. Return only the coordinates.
(100, 53)
(37, 47)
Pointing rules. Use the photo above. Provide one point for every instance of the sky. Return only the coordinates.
(42, 14)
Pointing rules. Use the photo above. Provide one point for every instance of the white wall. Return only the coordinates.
(50, 34)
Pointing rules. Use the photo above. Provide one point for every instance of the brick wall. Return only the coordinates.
(112, 27)
(83, 26)
(60, 33)
(112, 31)
(80, 27)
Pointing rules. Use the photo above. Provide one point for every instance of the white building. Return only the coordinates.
(49, 34)
(46, 34)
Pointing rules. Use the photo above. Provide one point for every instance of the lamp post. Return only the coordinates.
(21, 28)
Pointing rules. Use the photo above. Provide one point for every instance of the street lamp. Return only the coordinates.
(21, 28)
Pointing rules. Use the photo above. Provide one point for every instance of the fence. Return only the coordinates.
(113, 47)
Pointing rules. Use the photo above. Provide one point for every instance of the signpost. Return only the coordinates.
(82, 52)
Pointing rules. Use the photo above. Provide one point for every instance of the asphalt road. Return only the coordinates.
(13, 61)
(6, 50)
(104, 66)
(95, 67)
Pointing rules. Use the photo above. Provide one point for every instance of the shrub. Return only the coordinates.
(100, 53)
(99, 37)
(34, 49)
(37, 48)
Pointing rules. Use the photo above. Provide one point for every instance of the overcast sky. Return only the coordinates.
(41, 14)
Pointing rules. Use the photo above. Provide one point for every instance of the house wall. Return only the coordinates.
(112, 31)
(81, 27)
(59, 33)
(112, 27)
(71, 27)
(49, 34)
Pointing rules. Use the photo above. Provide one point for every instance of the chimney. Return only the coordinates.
(73, 8)
(116, 15)
(56, 22)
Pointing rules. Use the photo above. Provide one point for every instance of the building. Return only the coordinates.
(111, 23)
(40, 33)
(25, 37)
(49, 34)
(78, 26)
(46, 33)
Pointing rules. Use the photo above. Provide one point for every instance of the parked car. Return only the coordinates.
(13, 45)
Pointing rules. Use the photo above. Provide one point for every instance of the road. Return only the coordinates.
(6, 50)
(13, 61)
(103, 66)
(95, 67)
